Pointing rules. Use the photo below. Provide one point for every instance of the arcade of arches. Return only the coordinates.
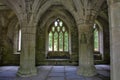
(60, 32)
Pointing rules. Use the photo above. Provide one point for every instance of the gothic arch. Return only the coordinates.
(49, 16)
(13, 5)
(49, 4)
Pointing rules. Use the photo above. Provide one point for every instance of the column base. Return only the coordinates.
(27, 72)
(87, 71)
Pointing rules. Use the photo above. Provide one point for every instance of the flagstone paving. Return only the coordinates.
(55, 73)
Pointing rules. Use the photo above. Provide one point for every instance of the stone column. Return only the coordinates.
(114, 21)
(86, 61)
(27, 56)
(1, 50)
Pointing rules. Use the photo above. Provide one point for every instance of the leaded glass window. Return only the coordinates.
(96, 38)
(19, 40)
(58, 37)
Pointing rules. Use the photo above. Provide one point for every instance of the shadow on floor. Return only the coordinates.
(55, 73)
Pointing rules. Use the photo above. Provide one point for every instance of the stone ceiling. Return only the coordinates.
(103, 13)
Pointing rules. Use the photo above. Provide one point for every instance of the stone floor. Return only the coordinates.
(55, 73)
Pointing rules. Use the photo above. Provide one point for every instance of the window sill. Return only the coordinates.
(17, 52)
(57, 59)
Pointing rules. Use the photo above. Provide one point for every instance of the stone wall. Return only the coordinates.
(70, 14)
(9, 58)
(41, 47)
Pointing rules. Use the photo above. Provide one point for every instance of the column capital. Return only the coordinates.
(27, 19)
(86, 28)
(90, 10)
(25, 24)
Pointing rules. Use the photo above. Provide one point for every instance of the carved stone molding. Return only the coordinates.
(89, 10)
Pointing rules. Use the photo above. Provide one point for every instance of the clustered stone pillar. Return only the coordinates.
(27, 56)
(114, 16)
(88, 13)
(86, 60)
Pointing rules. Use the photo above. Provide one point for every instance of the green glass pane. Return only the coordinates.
(96, 40)
(61, 23)
(50, 41)
(58, 28)
(55, 41)
(53, 29)
(56, 23)
(61, 41)
(66, 41)
(63, 29)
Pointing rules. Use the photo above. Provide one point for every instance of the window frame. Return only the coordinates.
(97, 29)
(19, 40)
(99, 54)
(47, 36)
(16, 40)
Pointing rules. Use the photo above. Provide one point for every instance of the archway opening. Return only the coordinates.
(59, 24)
(58, 41)
(10, 36)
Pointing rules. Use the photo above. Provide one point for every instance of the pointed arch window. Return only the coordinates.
(96, 38)
(19, 41)
(98, 42)
(58, 39)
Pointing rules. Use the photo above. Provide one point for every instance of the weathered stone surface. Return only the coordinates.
(86, 62)
(34, 18)
(114, 10)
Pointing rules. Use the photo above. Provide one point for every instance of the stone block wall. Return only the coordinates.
(41, 58)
